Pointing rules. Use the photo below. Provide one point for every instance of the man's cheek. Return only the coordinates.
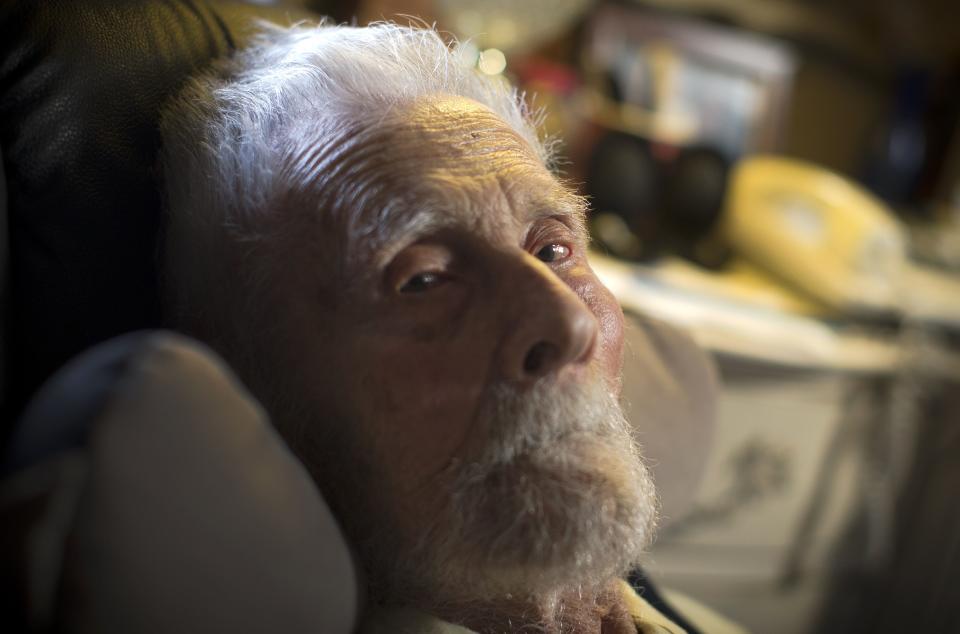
(421, 412)
(605, 307)
(610, 316)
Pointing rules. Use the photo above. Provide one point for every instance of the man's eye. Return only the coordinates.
(553, 253)
(421, 282)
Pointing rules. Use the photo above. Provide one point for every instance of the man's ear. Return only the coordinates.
(670, 389)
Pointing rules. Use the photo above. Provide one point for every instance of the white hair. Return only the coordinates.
(244, 135)
(232, 134)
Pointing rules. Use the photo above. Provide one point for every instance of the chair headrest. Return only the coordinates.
(190, 514)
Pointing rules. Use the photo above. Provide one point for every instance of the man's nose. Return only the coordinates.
(549, 327)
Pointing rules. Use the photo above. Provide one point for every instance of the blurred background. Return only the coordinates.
(782, 180)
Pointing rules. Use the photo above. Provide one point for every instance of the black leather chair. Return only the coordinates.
(81, 84)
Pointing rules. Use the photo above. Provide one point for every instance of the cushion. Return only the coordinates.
(189, 512)
(670, 389)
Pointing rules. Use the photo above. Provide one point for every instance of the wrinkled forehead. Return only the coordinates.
(444, 161)
(376, 182)
(455, 136)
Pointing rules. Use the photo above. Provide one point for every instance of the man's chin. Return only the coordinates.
(582, 516)
(557, 498)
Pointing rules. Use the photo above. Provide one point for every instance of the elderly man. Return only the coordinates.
(370, 234)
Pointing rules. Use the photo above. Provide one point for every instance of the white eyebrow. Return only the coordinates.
(391, 228)
(566, 205)
(396, 226)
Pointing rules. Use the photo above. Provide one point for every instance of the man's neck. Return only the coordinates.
(572, 611)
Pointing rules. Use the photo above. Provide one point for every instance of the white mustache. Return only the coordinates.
(520, 423)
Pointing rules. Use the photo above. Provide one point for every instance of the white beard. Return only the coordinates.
(557, 497)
